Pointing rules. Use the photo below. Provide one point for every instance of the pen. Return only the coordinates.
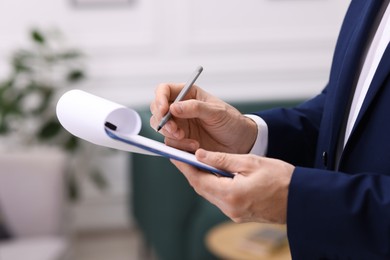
(181, 95)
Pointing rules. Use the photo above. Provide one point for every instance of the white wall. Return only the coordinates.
(266, 48)
(253, 49)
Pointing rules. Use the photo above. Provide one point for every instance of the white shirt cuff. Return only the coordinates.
(261, 144)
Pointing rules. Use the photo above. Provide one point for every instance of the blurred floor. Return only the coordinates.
(109, 245)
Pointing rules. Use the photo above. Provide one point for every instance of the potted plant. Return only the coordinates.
(38, 74)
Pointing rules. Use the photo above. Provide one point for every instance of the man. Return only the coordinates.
(327, 170)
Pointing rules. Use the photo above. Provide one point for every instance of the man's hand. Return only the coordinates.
(201, 121)
(258, 192)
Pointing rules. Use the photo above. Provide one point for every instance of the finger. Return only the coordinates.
(170, 129)
(235, 163)
(208, 185)
(164, 95)
(188, 145)
(159, 107)
(196, 109)
(195, 177)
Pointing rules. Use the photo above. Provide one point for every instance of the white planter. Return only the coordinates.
(32, 191)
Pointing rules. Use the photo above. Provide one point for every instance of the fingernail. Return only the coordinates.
(201, 154)
(194, 146)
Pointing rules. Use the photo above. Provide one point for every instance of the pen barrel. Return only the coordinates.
(181, 95)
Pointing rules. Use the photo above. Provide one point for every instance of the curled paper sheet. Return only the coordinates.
(106, 123)
(85, 115)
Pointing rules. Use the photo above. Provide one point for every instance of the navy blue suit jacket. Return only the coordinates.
(343, 213)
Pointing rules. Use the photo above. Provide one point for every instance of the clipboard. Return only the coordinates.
(106, 123)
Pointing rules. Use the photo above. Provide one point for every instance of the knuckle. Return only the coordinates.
(235, 207)
(234, 200)
(195, 184)
(230, 199)
(192, 104)
(235, 215)
(160, 86)
(221, 159)
(250, 162)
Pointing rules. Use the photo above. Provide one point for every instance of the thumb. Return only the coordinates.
(224, 161)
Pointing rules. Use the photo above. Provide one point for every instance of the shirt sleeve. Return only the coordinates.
(261, 144)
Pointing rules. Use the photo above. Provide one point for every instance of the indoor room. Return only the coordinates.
(64, 198)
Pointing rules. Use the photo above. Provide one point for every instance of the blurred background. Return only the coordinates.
(61, 198)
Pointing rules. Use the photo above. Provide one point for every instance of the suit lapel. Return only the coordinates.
(348, 71)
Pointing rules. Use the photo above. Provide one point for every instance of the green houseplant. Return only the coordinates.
(37, 75)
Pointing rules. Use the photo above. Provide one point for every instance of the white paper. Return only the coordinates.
(84, 115)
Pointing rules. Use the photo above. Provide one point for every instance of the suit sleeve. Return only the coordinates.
(293, 132)
(330, 215)
(333, 215)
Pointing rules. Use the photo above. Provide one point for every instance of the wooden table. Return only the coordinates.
(232, 241)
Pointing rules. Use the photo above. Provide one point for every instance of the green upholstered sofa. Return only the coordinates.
(171, 216)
